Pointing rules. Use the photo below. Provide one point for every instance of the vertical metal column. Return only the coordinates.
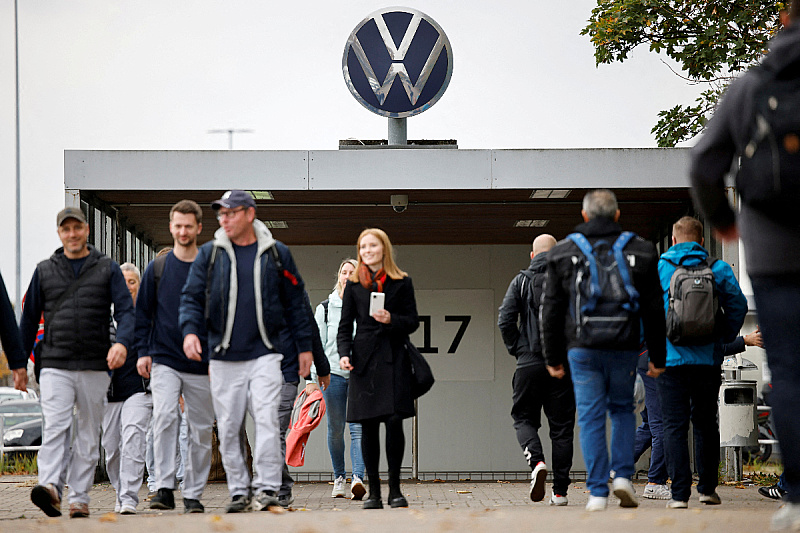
(415, 442)
(18, 266)
(398, 132)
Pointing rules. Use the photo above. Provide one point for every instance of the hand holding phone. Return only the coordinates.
(376, 300)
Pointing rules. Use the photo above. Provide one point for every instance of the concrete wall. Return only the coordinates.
(464, 422)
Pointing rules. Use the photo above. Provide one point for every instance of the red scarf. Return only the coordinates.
(372, 281)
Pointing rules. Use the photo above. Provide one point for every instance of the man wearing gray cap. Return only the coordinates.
(75, 289)
(245, 292)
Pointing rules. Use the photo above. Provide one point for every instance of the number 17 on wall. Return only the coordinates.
(426, 332)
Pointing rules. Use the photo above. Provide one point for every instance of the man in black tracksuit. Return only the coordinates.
(534, 388)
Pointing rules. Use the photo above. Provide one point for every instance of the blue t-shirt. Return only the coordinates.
(246, 342)
(157, 331)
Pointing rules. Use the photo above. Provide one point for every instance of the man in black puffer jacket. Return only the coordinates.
(74, 289)
(603, 370)
(534, 387)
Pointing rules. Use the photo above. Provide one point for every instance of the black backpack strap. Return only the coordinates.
(210, 267)
(324, 303)
(158, 269)
(279, 265)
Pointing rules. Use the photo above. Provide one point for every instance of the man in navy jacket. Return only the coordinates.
(244, 291)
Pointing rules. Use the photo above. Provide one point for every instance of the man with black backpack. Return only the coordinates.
(534, 388)
(245, 293)
(171, 373)
(757, 124)
(601, 288)
(704, 307)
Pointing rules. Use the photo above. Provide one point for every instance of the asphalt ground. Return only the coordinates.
(447, 506)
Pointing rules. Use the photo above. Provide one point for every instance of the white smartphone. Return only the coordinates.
(376, 300)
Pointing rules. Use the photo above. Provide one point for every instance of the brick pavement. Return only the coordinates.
(456, 506)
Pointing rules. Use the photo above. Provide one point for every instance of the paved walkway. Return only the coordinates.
(462, 506)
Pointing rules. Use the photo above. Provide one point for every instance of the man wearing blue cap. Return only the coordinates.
(245, 292)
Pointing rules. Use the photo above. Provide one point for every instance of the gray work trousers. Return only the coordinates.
(252, 386)
(124, 436)
(61, 390)
(167, 385)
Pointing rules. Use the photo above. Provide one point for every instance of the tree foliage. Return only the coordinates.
(711, 40)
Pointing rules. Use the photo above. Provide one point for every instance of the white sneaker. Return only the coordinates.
(127, 509)
(338, 488)
(677, 504)
(357, 488)
(597, 503)
(787, 517)
(657, 492)
(538, 477)
(558, 500)
(623, 489)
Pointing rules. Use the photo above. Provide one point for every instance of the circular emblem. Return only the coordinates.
(397, 62)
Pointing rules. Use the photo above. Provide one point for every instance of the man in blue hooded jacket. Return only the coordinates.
(689, 388)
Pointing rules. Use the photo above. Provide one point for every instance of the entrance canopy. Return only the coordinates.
(328, 197)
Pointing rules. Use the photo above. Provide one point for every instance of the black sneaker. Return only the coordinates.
(265, 500)
(285, 499)
(192, 506)
(164, 500)
(238, 504)
(774, 492)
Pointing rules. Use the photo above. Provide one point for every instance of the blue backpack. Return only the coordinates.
(605, 302)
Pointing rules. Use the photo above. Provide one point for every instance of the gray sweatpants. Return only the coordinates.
(167, 385)
(252, 386)
(124, 436)
(61, 390)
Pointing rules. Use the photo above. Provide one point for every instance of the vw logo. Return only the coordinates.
(397, 62)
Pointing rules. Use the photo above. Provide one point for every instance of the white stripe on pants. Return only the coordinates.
(167, 385)
(124, 433)
(60, 391)
(255, 386)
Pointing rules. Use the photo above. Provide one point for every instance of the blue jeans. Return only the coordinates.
(778, 304)
(651, 433)
(690, 392)
(336, 408)
(603, 381)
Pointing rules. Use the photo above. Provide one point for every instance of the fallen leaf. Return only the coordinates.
(108, 517)
(276, 509)
(463, 492)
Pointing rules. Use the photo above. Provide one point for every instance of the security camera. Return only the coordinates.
(399, 202)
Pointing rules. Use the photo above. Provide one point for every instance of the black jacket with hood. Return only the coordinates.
(558, 332)
(726, 136)
(518, 317)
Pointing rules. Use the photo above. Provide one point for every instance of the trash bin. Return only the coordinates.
(737, 414)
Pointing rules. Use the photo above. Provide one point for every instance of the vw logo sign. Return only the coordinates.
(397, 62)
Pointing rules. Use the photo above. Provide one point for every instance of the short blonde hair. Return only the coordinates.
(389, 266)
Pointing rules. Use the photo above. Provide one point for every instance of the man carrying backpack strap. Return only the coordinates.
(603, 369)
(690, 386)
(771, 234)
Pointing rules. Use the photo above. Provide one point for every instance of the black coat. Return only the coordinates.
(380, 382)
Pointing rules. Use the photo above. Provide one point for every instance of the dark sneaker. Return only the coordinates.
(164, 500)
(398, 501)
(239, 504)
(774, 492)
(538, 478)
(192, 506)
(373, 503)
(45, 497)
(79, 510)
(265, 500)
(285, 499)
